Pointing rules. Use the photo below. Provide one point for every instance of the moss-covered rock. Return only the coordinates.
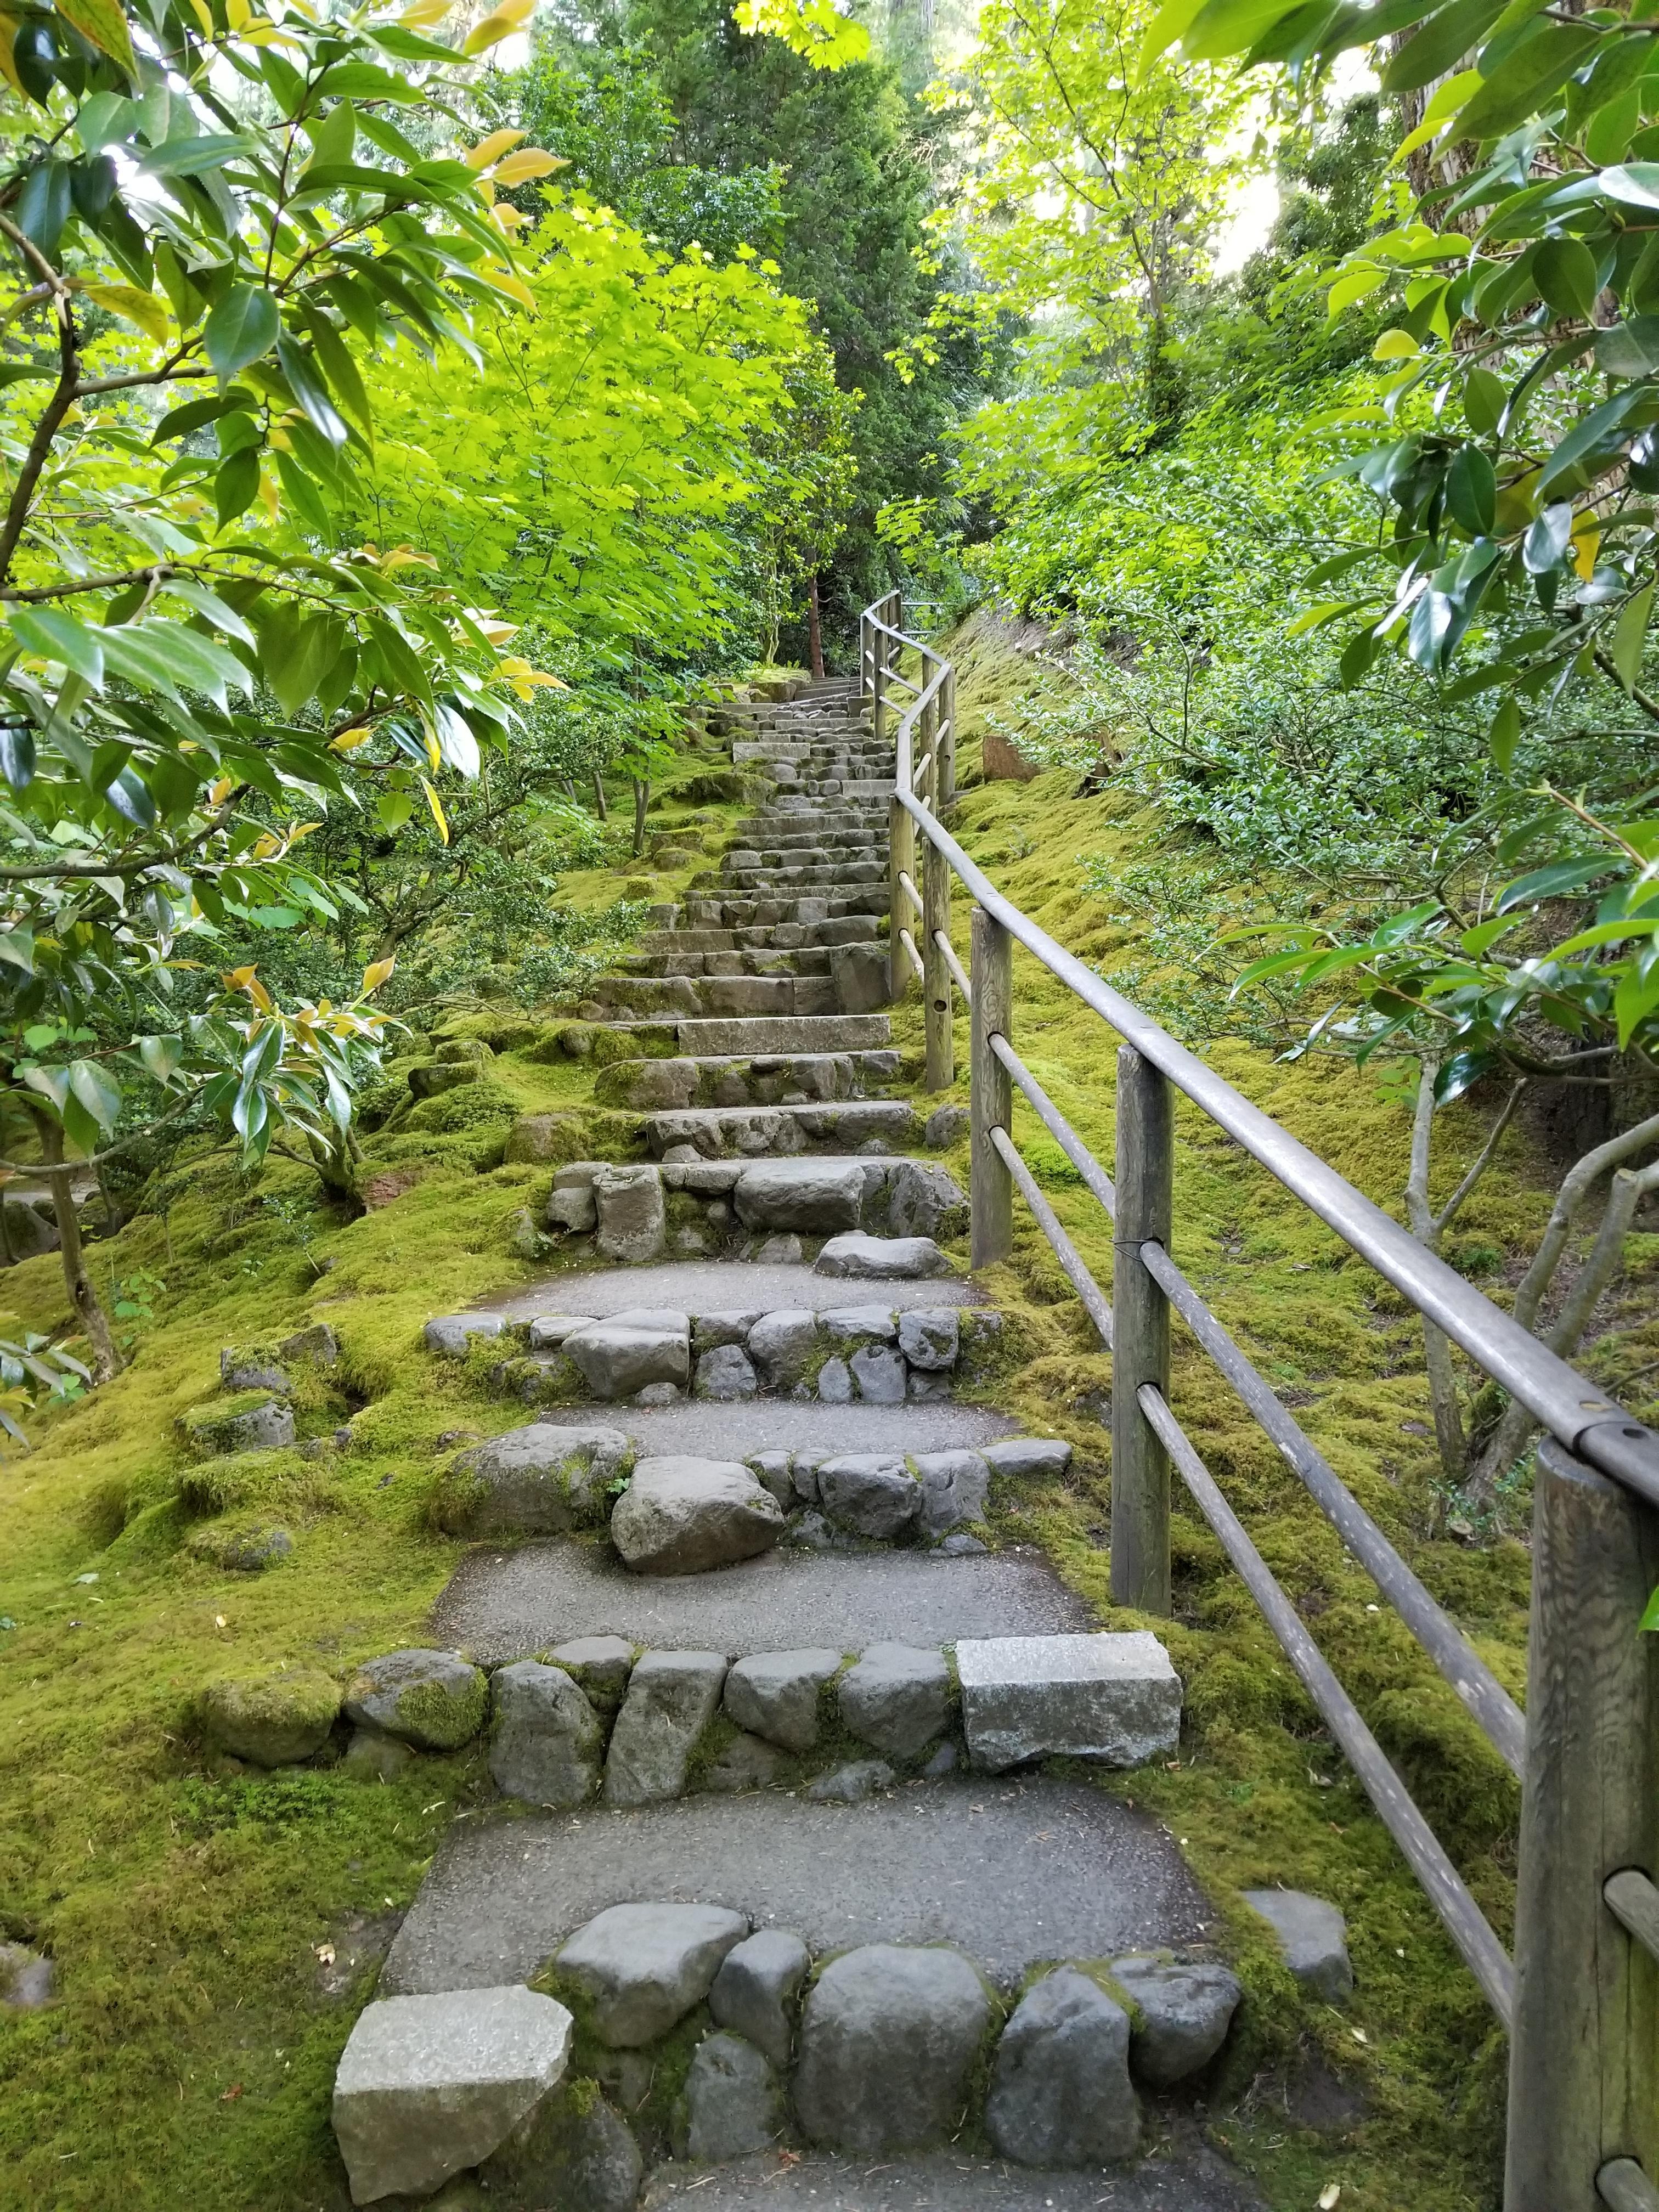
(270, 1720)
(436, 1700)
(249, 1420)
(432, 1078)
(478, 1106)
(544, 1139)
(244, 1548)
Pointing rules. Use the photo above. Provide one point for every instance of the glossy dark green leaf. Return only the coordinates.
(236, 486)
(241, 329)
(1566, 276)
(1527, 78)
(1629, 349)
(1471, 490)
(1436, 50)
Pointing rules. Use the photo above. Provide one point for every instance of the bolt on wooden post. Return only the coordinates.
(1584, 2045)
(1140, 1335)
(991, 1187)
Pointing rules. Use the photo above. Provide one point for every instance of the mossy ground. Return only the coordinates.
(190, 2058)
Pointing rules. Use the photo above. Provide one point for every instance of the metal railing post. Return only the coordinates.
(936, 977)
(1584, 2048)
(1140, 1340)
(991, 1187)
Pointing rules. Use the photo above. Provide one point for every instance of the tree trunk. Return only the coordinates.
(337, 1164)
(641, 800)
(814, 631)
(83, 1297)
(598, 798)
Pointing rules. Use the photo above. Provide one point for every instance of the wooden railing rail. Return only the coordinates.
(1581, 1998)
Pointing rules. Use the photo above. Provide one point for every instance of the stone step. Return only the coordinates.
(726, 911)
(787, 936)
(732, 1080)
(747, 960)
(781, 1131)
(1030, 1872)
(714, 995)
(714, 1286)
(772, 1033)
(1191, 2178)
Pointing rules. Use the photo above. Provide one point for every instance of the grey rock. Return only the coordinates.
(725, 1373)
(943, 1762)
(954, 1485)
(710, 1330)
(28, 1232)
(781, 1344)
(428, 2085)
(819, 1196)
(1060, 2094)
(546, 1741)
(658, 1393)
(1111, 1697)
(835, 1383)
(898, 1698)
(449, 1335)
(774, 1694)
(572, 1208)
(541, 1479)
(27, 1979)
(928, 1338)
(881, 1375)
(632, 1219)
(852, 1783)
(889, 2041)
(882, 1258)
(270, 1720)
(684, 1516)
(576, 2152)
(961, 1547)
(1028, 1456)
(771, 1471)
(947, 1126)
(754, 1993)
(742, 1763)
(671, 1697)
(601, 1665)
(872, 1493)
(642, 1967)
(627, 1351)
(812, 1533)
(1313, 1940)
(858, 973)
(211, 1431)
(250, 1371)
(436, 1700)
(372, 1755)
(549, 1331)
(777, 1252)
(854, 1325)
(734, 2103)
(804, 1473)
(923, 1201)
(1183, 2014)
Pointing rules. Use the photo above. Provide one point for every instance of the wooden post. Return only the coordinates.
(1584, 2048)
(991, 1187)
(878, 687)
(901, 856)
(944, 783)
(940, 1018)
(1140, 1335)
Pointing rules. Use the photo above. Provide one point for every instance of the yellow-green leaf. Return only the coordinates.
(1396, 346)
(144, 308)
(1630, 634)
(103, 23)
(436, 805)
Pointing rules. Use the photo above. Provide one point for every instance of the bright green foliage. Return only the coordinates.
(585, 478)
(1090, 208)
(207, 236)
(817, 30)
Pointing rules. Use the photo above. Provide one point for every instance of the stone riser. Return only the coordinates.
(659, 1085)
(751, 912)
(781, 960)
(718, 995)
(782, 936)
(781, 1131)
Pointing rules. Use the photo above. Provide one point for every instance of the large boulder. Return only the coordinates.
(641, 1968)
(630, 1351)
(896, 1699)
(546, 1741)
(889, 2043)
(1183, 2015)
(881, 1259)
(755, 1992)
(1313, 1940)
(870, 1493)
(775, 1694)
(684, 1516)
(671, 1697)
(733, 2100)
(270, 1720)
(428, 2085)
(576, 2152)
(1112, 1697)
(632, 1218)
(923, 1201)
(1060, 2094)
(538, 1481)
(436, 1700)
(815, 1196)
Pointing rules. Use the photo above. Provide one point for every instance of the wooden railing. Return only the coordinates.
(1580, 1998)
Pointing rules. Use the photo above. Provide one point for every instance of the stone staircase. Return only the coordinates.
(784, 1851)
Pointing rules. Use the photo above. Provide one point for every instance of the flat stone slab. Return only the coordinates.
(712, 1286)
(714, 1429)
(506, 1604)
(1196, 2180)
(1011, 1873)
(1112, 1697)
